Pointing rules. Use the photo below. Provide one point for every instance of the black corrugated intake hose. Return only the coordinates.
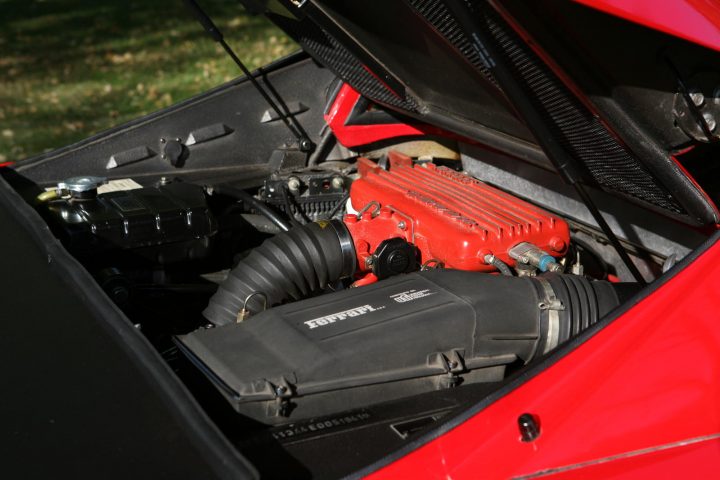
(529, 316)
(583, 303)
(291, 265)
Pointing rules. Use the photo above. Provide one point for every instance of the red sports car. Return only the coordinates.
(447, 239)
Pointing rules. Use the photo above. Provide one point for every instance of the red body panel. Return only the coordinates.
(355, 135)
(637, 400)
(449, 216)
(694, 20)
(695, 458)
(648, 379)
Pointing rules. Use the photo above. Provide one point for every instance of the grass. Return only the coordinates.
(70, 68)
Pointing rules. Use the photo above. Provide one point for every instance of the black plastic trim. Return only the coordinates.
(283, 62)
(208, 440)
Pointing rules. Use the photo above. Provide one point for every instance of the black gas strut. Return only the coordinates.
(566, 164)
(290, 121)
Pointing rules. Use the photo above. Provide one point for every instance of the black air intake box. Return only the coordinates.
(402, 336)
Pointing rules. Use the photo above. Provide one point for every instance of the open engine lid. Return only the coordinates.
(611, 101)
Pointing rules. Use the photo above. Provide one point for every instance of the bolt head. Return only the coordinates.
(557, 244)
(402, 225)
(710, 120)
(555, 267)
(305, 145)
(293, 184)
(697, 97)
(338, 182)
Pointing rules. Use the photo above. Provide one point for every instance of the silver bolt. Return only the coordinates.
(555, 267)
(710, 120)
(338, 182)
(293, 184)
(402, 225)
(369, 261)
(452, 364)
(162, 140)
(697, 97)
(178, 139)
(280, 390)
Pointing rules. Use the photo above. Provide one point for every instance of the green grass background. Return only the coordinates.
(71, 68)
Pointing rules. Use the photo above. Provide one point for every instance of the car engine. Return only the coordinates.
(374, 280)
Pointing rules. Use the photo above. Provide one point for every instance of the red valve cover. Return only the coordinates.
(451, 217)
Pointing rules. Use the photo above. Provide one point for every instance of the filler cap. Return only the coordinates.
(82, 187)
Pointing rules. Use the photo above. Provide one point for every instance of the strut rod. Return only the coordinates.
(305, 144)
(564, 162)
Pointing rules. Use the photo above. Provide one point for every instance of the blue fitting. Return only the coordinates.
(545, 260)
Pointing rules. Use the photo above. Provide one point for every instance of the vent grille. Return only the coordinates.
(342, 62)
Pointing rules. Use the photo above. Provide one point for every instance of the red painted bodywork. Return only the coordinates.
(648, 379)
(695, 20)
(356, 135)
(448, 216)
(639, 399)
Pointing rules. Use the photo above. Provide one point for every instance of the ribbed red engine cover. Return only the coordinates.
(450, 217)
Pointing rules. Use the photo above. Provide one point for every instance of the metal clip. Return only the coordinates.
(245, 313)
(367, 207)
(550, 302)
(553, 305)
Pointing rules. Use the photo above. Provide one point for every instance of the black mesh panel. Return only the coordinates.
(609, 163)
(337, 58)
(582, 134)
(438, 15)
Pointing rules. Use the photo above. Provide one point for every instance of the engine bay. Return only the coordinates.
(328, 277)
(348, 250)
(333, 294)
(358, 298)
